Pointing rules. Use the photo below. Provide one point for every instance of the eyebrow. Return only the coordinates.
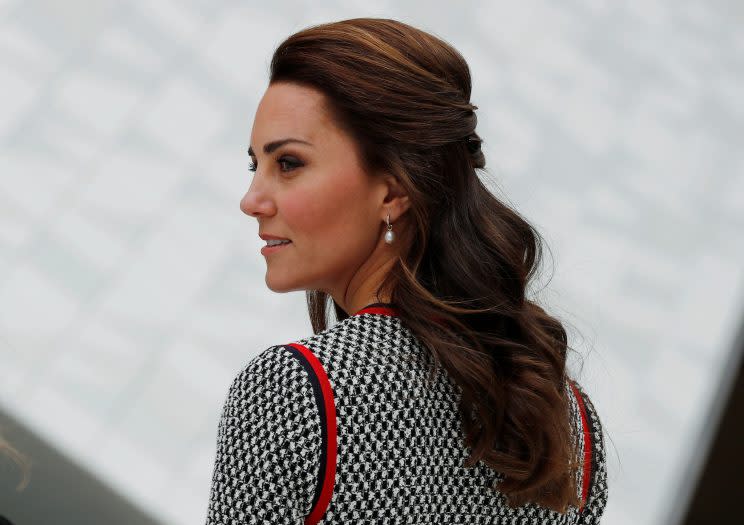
(271, 146)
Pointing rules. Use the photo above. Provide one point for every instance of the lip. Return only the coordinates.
(266, 250)
(266, 237)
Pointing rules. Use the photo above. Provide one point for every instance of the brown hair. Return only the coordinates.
(404, 96)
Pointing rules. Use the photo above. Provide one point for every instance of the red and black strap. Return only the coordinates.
(587, 434)
(327, 409)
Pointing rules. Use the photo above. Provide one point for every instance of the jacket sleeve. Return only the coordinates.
(268, 445)
(594, 473)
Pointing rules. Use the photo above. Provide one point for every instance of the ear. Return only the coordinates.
(396, 200)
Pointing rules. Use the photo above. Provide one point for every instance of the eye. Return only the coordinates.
(288, 163)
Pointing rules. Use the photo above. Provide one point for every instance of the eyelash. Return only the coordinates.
(293, 163)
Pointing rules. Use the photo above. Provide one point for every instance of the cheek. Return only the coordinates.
(334, 213)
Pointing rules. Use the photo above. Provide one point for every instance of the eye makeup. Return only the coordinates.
(286, 163)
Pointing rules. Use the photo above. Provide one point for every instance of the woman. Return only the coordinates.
(441, 394)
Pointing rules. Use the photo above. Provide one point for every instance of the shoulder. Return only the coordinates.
(271, 407)
(274, 370)
(268, 442)
(273, 367)
(348, 343)
(273, 391)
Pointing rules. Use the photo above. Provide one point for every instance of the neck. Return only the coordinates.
(363, 288)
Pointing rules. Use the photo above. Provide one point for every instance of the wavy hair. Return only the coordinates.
(404, 96)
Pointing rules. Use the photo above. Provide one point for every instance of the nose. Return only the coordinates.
(257, 203)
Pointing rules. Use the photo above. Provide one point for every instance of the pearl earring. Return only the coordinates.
(389, 235)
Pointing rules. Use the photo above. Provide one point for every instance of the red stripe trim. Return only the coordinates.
(386, 310)
(330, 409)
(383, 310)
(587, 447)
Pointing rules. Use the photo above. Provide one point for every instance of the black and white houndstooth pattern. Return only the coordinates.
(400, 451)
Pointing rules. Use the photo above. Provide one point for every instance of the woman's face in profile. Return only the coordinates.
(309, 187)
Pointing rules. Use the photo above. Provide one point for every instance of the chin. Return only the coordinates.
(279, 284)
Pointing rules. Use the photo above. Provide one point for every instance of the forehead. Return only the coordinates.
(291, 110)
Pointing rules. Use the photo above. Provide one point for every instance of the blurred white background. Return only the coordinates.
(131, 285)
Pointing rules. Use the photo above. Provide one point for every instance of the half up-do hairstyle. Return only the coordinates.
(460, 285)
